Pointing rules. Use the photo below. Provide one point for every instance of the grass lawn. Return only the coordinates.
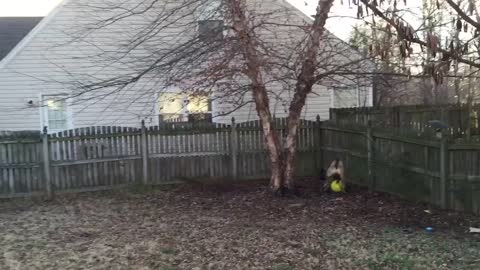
(238, 226)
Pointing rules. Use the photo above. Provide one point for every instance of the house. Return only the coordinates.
(40, 78)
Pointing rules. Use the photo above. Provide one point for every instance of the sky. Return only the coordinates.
(340, 27)
(341, 21)
(26, 7)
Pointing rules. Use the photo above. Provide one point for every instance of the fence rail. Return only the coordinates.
(463, 121)
(439, 171)
(105, 157)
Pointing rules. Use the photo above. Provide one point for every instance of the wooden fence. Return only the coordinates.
(105, 157)
(463, 121)
(437, 171)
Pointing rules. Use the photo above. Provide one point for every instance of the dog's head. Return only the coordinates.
(336, 176)
(336, 168)
(336, 162)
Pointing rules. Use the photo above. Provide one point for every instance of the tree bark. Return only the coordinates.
(304, 85)
(282, 170)
(259, 91)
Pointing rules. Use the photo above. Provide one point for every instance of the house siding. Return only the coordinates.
(51, 62)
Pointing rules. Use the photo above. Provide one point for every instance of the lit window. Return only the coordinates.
(181, 107)
(171, 107)
(56, 115)
(198, 104)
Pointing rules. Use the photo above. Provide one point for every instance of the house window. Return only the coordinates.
(176, 107)
(55, 112)
(210, 30)
(171, 107)
(199, 109)
(345, 97)
(210, 22)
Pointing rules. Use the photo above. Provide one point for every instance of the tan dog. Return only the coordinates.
(335, 171)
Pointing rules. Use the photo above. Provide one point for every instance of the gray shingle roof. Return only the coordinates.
(13, 30)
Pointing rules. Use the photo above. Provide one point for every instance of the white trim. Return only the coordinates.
(289, 5)
(26, 40)
(358, 96)
(40, 111)
(44, 112)
(332, 96)
(156, 109)
(309, 19)
(70, 123)
(370, 92)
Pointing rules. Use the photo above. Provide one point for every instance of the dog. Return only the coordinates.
(336, 171)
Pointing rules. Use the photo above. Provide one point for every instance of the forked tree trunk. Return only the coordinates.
(304, 85)
(282, 169)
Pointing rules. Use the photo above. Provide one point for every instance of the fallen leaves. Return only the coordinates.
(237, 228)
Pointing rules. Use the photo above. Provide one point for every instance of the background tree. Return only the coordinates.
(427, 32)
(436, 39)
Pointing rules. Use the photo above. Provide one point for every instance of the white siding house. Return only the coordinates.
(38, 78)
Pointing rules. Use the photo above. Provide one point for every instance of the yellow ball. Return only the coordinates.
(336, 186)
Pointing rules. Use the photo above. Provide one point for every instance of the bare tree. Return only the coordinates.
(238, 52)
(436, 40)
(431, 35)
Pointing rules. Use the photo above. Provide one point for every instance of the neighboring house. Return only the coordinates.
(38, 79)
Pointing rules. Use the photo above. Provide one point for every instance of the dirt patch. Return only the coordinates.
(237, 226)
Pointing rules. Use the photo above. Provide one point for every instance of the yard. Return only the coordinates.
(236, 226)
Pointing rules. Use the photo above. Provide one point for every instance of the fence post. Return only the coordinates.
(46, 164)
(371, 157)
(443, 170)
(477, 114)
(320, 141)
(333, 115)
(233, 149)
(144, 146)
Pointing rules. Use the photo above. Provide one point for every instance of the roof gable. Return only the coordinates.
(13, 30)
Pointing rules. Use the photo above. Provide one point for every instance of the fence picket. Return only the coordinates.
(107, 156)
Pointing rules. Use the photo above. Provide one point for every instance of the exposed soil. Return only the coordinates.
(233, 226)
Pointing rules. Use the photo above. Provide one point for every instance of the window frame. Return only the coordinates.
(333, 95)
(185, 114)
(210, 12)
(45, 121)
(178, 115)
(211, 33)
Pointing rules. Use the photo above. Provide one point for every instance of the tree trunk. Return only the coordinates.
(293, 123)
(272, 140)
(304, 86)
(260, 96)
(282, 171)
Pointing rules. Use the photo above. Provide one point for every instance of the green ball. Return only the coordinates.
(336, 186)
